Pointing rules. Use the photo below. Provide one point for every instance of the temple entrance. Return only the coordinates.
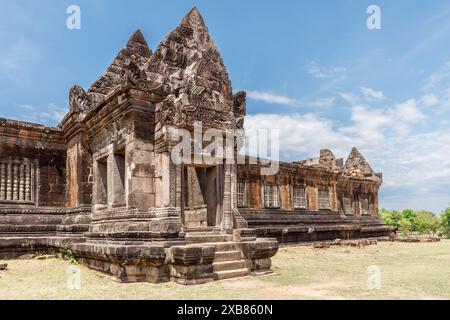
(201, 201)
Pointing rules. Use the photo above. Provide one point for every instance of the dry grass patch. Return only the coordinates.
(408, 271)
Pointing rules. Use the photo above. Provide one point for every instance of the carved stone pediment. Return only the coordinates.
(79, 100)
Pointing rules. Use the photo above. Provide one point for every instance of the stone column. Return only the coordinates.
(227, 222)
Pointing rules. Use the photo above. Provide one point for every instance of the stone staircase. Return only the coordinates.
(228, 262)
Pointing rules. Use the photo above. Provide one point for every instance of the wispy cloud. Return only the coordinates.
(434, 79)
(272, 98)
(319, 72)
(50, 115)
(429, 100)
(372, 94)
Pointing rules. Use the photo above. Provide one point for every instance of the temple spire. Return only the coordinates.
(194, 18)
(138, 43)
(356, 161)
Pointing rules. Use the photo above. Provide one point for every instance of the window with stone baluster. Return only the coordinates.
(17, 182)
(299, 197)
(347, 204)
(324, 199)
(271, 196)
(241, 194)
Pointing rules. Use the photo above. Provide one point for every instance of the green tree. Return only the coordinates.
(391, 218)
(427, 222)
(445, 223)
(411, 216)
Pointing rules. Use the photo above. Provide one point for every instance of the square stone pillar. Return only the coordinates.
(166, 216)
(140, 175)
(116, 179)
(100, 190)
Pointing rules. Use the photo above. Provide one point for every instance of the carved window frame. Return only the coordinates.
(13, 173)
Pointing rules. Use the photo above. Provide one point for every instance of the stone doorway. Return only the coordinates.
(201, 199)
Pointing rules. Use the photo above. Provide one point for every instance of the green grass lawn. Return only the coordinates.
(408, 271)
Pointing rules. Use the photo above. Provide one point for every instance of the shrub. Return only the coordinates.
(408, 221)
(405, 227)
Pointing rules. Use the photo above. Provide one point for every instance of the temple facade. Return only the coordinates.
(104, 183)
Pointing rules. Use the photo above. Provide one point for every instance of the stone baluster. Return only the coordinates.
(15, 182)
(28, 183)
(9, 181)
(21, 182)
(2, 181)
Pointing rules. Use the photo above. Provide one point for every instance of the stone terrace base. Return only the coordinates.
(184, 264)
(306, 226)
(127, 261)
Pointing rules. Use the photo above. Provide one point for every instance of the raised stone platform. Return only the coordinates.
(134, 261)
(307, 226)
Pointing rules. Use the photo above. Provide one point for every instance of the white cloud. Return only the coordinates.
(50, 115)
(300, 135)
(272, 98)
(429, 100)
(26, 107)
(318, 72)
(54, 113)
(371, 94)
(434, 79)
(414, 166)
(320, 102)
(349, 97)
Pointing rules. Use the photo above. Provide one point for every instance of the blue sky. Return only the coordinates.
(311, 69)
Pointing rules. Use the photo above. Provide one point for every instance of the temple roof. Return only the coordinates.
(136, 53)
(190, 60)
(356, 161)
(185, 73)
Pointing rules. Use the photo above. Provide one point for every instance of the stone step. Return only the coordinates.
(226, 246)
(229, 265)
(222, 256)
(222, 275)
(205, 238)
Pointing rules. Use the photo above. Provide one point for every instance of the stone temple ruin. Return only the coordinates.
(103, 183)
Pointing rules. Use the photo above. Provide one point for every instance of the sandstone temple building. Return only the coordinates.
(103, 184)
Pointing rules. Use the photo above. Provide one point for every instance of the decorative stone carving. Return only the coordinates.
(198, 79)
(79, 100)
